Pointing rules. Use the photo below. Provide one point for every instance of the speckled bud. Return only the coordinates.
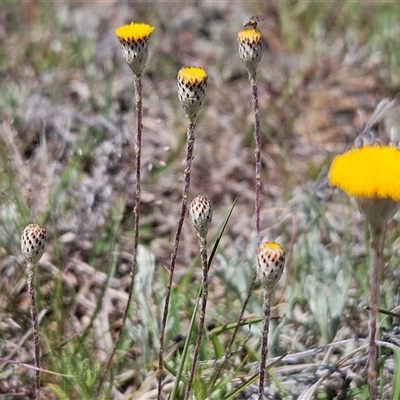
(200, 213)
(270, 264)
(33, 242)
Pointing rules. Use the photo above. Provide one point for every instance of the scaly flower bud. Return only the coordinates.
(134, 39)
(270, 264)
(200, 213)
(192, 84)
(33, 242)
(251, 47)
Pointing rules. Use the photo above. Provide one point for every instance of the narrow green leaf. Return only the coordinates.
(396, 375)
(58, 391)
(218, 349)
(199, 388)
(252, 379)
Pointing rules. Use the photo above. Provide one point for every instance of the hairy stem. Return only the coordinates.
(377, 241)
(138, 152)
(257, 212)
(257, 153)
(188, 166)
(204, 263)
(264, 345)
(31, 268)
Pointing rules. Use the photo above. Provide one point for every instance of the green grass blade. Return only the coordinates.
(252, 379)
(193, 318)
(174, 392)
(59, 392)
(396, 375)
(222, 230)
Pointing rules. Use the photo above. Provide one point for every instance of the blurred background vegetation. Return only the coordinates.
(66, 158)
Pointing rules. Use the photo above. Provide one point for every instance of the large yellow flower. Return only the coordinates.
(370, 171)
(372, 175)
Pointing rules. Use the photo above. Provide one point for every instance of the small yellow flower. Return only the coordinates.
(134, 32)
(134, 40)
(372, 175)
(251, 47)
(192, 84)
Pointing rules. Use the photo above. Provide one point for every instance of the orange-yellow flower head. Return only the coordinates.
(251, 47)
(372, 175)
(134, 40)
(192, 84)
(370, 171)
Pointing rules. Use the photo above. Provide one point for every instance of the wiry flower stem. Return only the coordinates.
(204, 263)
(31, 268)
(264, 345)
(377, 242)
(257, 212)
(188, 166)
(33, 246)
(138, 145)
(257, 153)
(270, 265)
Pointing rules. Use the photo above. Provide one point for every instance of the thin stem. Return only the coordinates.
(204, 263)
(188, 166)
(377, 241)
(257, 213)
(264, 345)
(138, 146)
(31, 267)
(257, 153)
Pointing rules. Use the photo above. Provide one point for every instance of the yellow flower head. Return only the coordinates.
(134, 40)
(368, 172)
(192, 84)
(250, 35)
(273, 247)
(192, 75)
(251, 47)
(134, 32)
